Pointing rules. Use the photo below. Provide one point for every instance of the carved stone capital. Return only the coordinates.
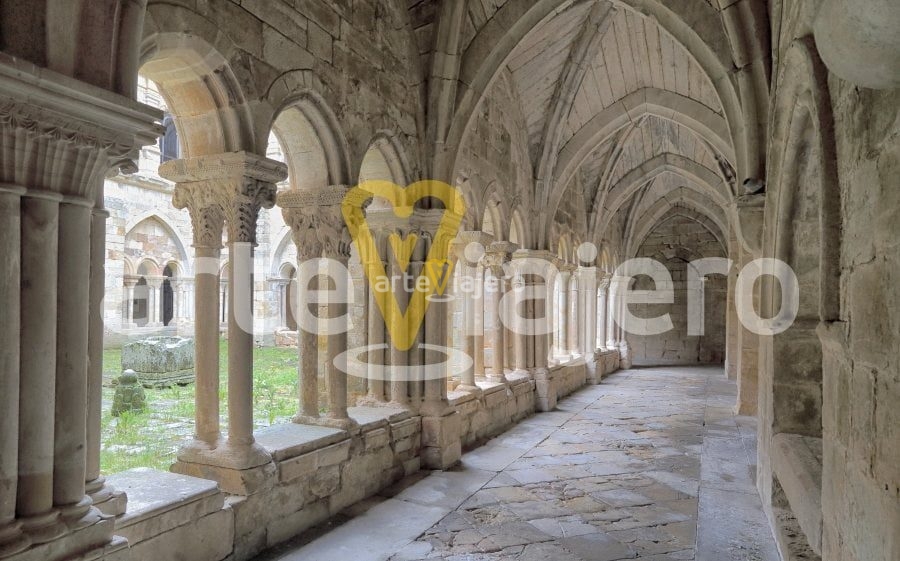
(233, 186)
(316, 221)
(67, 134)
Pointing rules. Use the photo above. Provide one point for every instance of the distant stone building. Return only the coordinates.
(149, 266)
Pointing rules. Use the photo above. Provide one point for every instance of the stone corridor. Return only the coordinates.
(651, 464)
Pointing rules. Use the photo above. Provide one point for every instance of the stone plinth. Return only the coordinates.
(160, 362)
(129, 397)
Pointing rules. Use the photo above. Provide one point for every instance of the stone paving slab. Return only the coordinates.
(649, 465)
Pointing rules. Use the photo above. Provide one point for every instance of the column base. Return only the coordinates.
(371, 401)
(625, 355)
(12, 540)
(81, 540)
(239, 469)
(44, 528)
(469, 389)
(244, 470)
(343, 423)
(106, 498)
(545, 389)
(441, 445)
(80, 513)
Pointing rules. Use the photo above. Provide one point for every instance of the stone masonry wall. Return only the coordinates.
(676, 241)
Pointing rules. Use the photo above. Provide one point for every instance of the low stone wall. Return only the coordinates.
(317, 472)
(494, 410)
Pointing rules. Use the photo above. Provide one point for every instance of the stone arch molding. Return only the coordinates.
(162, 217)
(802, 113)
(211, 109)
(302, 90)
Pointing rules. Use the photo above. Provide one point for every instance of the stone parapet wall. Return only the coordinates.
(316, 473)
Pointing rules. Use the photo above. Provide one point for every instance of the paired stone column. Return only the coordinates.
(602, 310)
(230, 187)
(587, 289)
(612, 321)
(318, 230)
(565, 276)
(128, 317)
(469, 249)
(532, 267)
(498, 255)
(572, 311)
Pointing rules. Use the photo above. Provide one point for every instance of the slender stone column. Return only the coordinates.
(602, 324)
(375, 359)
(101, 493)
(73, 304)
(37, 389)
(497, 255)
(11, 538)
(129, 284)
(520, 315)
(539, 314)
(207, 219)
(563, 334)
(572, 315)
(478, 311)
(587, 288)
(337, 344)
(233, 187)
(309, 371)
(398, 358)
(612, 325)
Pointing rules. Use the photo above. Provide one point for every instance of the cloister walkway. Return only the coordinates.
(651, 464)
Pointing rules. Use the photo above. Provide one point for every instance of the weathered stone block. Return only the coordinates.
(160, 361)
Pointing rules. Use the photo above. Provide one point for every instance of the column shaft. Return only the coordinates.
(206, 344)
(573, 314)
(73, 301)
(601, 317)
(10, 239)
(563, 314)
(478, 320)
(497, 342)
(94, 483)
(240, 344)
(399, 358)
(375, 359)
(37, 388)
(337, 344)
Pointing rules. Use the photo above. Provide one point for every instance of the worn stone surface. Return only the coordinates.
(160, 361)
(630, 469)
(130, 396)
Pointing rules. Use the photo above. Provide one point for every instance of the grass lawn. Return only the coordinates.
(152, 438)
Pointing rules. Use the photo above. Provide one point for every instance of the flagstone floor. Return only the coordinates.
(651, 464)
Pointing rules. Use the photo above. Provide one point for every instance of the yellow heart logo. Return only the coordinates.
(403, 327)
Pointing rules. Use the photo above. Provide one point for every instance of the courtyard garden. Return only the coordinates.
(152, 438)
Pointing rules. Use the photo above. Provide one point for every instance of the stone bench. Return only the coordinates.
(797, 463)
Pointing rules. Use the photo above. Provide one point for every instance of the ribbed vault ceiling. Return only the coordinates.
(619, 114)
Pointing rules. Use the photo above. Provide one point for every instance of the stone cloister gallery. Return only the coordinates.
(168, 165)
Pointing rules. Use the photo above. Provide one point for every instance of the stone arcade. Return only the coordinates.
(581, 134)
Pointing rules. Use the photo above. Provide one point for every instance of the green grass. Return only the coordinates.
(152, 438)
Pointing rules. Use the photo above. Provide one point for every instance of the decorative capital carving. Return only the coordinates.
(67, 134)
(238, 183)
(207, 215)
(316, 222)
